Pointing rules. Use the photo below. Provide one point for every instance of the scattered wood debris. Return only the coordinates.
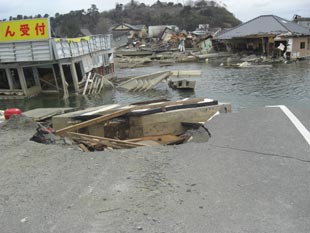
(90, 140)
(94, 84)
(150, 123)
(94, 121)
(144, 82)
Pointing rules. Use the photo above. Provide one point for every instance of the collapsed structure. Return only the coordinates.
(32, 61)
(269, 35)
(139, 124)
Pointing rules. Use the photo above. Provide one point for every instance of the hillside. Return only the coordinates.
(160, 13)
(187, 17)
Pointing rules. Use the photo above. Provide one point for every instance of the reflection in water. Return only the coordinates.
(287, 84)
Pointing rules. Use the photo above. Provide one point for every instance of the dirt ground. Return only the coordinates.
(195, 187)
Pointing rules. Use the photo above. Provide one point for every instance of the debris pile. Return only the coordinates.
(149, 123)
(94, 83)
(137, 125)
(172, 47)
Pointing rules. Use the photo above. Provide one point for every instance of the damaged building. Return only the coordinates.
(32, 62)
(269, 35)
(124, 34)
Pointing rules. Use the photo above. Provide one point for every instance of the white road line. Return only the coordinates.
(300, 127)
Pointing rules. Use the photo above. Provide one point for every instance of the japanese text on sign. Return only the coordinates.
(22, 30)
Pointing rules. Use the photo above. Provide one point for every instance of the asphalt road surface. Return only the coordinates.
(251, 176)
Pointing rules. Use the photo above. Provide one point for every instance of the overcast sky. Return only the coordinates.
(242, 9)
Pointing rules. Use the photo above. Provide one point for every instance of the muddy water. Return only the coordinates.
(287, 84)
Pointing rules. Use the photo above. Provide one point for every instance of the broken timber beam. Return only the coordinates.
(162, 139)
(169, 103)
(83, 147)
(97, 120)
(64, 131)
(95, 142)
(108, 141)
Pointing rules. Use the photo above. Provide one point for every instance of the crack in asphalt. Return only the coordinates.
(262, 153)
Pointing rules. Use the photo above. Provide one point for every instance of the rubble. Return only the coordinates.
(131, 126)
(138, 125)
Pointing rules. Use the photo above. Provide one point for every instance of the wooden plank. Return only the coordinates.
(124, 111)
(150, 101)
(65, 120)
(94, 121)
(150, 143)
(169, 122)
(95, 142)
(86, 84)
(169, 103)
(109, 140)
(162, 139)
(83, 147)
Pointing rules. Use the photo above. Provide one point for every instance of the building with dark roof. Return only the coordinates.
(303, 21)
(264, 34)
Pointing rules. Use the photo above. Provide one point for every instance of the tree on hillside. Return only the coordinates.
(201, 4)
(160, 13)
(103, 25)
(93, 13)
(93, 10)
(132, 4)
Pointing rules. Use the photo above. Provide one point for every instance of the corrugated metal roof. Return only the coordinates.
(26, 51)
(265, 24)
(29, 51)
(66, 48)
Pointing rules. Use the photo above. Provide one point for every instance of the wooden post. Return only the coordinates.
(64, 83)
(91, 84)
(86, 84)
(101, 84)
(36, 76)
(95, 90)
(74, 78)
(83, 147)
(55, 77)
(268, 47)
(9, 77)
(263, 45)
(22, 80)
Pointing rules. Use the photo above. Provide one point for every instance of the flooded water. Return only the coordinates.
(287, 84)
